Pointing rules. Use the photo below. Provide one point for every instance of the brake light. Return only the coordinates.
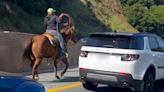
(129, 57)
(84, 54)
(123, 73)
(81, 68)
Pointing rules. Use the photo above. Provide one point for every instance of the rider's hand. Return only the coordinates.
(61, 15)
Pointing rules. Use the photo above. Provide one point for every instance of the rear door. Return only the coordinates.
(158, 56)
(161, 67)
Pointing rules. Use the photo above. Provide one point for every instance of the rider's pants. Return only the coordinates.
(61, 40)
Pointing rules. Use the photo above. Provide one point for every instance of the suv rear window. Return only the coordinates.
(116, 41)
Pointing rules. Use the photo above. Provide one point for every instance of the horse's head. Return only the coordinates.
(67, 29)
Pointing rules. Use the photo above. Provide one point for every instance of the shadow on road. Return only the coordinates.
(64, 79)
(68, 79)
(158, 88)
(112, 89)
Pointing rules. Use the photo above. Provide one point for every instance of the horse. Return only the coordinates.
(39, 47)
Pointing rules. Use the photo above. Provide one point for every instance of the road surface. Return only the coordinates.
(70, 83)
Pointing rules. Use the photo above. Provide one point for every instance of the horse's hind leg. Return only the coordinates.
(34, 68)
(65, 61)
(55, 70)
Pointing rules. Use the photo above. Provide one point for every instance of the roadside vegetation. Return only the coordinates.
(89, 15)
(145, 15)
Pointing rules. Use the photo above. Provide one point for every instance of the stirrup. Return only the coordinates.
(66, 54)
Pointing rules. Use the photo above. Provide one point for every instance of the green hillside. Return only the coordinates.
(89, 15)
(145, 15)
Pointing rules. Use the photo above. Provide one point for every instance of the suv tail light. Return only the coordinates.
(129, 57)
(84, 54)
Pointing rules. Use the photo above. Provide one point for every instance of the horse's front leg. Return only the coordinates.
(55, 69)
(65, 61)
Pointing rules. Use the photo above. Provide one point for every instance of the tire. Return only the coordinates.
(89, 86)
(149, 81)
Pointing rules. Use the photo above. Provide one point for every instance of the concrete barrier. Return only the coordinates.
(11, 50)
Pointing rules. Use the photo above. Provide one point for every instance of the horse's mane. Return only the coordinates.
(68, 26)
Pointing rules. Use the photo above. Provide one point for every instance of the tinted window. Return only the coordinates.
(154, 44)
(110, 41)
(161, 44)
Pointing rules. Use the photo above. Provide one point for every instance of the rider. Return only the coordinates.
(51, 25)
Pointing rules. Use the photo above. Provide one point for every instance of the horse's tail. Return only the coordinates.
(27, 54)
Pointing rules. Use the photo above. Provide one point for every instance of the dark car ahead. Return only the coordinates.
(15, 83)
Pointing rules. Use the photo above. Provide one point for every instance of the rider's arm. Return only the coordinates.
(59, 18)
(61, 15)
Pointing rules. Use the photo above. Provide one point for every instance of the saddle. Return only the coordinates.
(51, 38)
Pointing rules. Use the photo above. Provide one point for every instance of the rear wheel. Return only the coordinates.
(89, 86)
(148, 85)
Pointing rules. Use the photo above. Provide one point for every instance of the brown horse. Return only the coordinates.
(39, 47)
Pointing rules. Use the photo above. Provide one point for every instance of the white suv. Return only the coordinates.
(124, 60)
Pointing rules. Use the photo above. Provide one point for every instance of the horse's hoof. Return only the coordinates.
(35, 79)
(58, 77)
(61, 74)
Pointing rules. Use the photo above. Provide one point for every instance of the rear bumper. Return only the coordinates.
(110, 78)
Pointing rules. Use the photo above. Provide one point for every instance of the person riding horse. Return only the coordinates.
(51, 25)
(39, 46)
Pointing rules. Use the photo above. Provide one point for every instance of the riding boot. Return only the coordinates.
(62, 54)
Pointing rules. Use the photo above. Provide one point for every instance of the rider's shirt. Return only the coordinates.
(50, 22)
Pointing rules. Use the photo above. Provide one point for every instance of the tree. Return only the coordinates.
(145, 16)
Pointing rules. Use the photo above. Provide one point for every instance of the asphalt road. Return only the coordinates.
(70, 83)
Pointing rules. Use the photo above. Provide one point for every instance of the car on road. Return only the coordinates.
(126, 60)
(15, 83)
